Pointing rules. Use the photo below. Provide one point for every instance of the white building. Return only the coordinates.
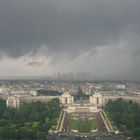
(12, 102)
(66, 99)
(94, 104)
(96, 99)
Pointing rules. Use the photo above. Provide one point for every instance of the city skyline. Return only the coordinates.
(40, 38)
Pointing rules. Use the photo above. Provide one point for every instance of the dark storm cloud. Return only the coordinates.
(66, 26)
(35, 63)
(97, 36)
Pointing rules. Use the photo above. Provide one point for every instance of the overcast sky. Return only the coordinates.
(42, 37)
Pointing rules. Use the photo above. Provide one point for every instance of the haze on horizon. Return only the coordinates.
(101, 37)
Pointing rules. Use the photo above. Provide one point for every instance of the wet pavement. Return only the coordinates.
(99, 137)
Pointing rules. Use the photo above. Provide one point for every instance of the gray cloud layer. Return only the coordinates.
(70, 28)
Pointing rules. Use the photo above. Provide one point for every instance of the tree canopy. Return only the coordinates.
(31, 121)
(125, 115)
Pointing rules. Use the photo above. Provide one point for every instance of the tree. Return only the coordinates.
(36, 125)
(46, 121)
(136, 132)
(128, 120)
(40, 135)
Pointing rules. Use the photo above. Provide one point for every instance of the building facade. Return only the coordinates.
(94, 104)
(12, 102)
(66, 99)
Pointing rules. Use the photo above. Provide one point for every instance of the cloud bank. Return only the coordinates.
(101, 37)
